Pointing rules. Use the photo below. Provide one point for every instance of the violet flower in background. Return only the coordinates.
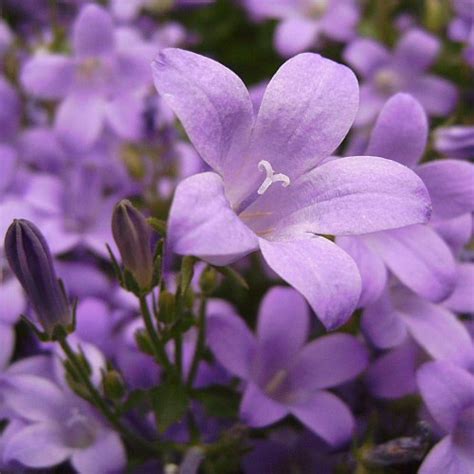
(267, 191)
(456, 141)
(448, 392)
(385, 73)
(304, 23)
(461, 29)
(283, 375)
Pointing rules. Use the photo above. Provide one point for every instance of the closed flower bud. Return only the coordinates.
(114, 387)
(132, 235)
(30, 259)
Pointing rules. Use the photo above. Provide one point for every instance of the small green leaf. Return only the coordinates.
(169, 402)
(158, 224)
(218, 401)
(234, 276)
(187, 272)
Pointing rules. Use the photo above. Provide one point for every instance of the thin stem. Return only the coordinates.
(160, 353)
(100, 403)
(200, 341)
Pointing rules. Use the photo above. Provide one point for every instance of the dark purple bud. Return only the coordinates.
(30, 259)
(132, 234)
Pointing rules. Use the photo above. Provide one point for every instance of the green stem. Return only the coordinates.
(160, 353)
(200, 341)
(100, 403)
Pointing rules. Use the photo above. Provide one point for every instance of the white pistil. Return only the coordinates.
(271, 177)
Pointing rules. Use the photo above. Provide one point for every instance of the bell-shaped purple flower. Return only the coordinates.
(30, 259)
(132, 235)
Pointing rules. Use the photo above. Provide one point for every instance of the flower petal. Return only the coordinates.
(48, 76)
(282, 328)
(446, 390)
(92, 459)
(461, 299)
(93, 32)
(344, 196)
(212, 231)
(327, 416)
(340, 21)
(451, 186)
(366, 56)
(371, 267)
(401, 131)
(36, 446)
(443, 458)
(231, 342)
(419, 258)
(212, 103)
(294, 35)
(438, 96)
(258, 410)
(321, 271)
(417, 50)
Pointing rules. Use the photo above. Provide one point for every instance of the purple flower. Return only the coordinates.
(456, 141)
(267, 191)
(461, 29)
(101, 84)
(53, 425)
(304, 23)
(284, 376)
(30, 259)
(404, 70)
(448, 392)
(416, 254)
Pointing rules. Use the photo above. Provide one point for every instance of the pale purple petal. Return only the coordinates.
(282, 329)
(38, 445)
(105, 455)
(295, 34)
(366, 56)
(340, 21)
(344, 196)
(306, 112)
(125, 116)
(79, 120)
(382, 324)
(446, 390)
(438, 96)
(371, 102)
(272, 8)
(417, 50)
(401, 131)
(231, 342)
(93, 32)
(392, 375)
(212, 103)
(13, 301)
(326, 276)
(451, 186)
(443, 459)
(212, 231)
(435, 329)
(48, 76)
(461, 299)
(419, 258)
(258, 410)
(327, 416)
(7, 343)
(371, 267)
(8, 164)
(456, 232)
(327, 362)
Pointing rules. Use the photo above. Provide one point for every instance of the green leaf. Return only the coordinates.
(219, 401)
(234, 276)
(187, 272)
(158, 224)
(169, 402)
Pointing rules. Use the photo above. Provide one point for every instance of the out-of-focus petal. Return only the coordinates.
(461, 299)
(212, 230)
(443, 458)
(371, 102)
(125, 116)
(366, 56)
(340, 20)
(416, 50)
(401, 131)
(295, 34)
(321, 271)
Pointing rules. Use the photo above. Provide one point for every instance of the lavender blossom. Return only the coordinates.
(283, 375)
(404, 70)
(267, 191)
(448, 392)
(29, 258)
(456, 141)
(303, 23)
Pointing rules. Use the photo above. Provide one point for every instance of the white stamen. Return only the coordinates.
(271, 177)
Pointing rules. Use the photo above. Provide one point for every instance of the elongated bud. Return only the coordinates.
(132, 235)
(30, 259)
(113, 384)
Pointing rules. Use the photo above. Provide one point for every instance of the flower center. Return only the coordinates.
(271, 177)
(387, 81)
(317, 8)
(271, 388)
(80, 432)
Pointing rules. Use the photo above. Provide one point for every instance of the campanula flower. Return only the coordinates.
(270, 189)
(404, 70)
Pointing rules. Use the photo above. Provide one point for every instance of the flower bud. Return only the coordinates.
(113, 384)
(30, 260)
(132, 235)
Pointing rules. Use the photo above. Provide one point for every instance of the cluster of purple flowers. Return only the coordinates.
(341, 189)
